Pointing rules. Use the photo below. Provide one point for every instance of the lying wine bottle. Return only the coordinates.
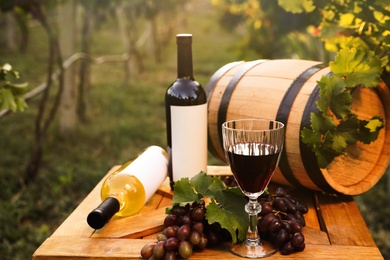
(126, 190)
(186, 117)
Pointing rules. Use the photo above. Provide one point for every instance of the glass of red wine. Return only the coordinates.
(252, 149)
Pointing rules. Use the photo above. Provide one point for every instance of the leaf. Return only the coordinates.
(322, 122)
(310, 137)
(357, 66)
(369, 130)
(324, 157)
(228, 210)
(226, 206)
(201, 182)
(297, 6)
(334, 96)
(8, 100)
(348, 129)
(184, 192)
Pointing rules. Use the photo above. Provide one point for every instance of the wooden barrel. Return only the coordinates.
(286, 90)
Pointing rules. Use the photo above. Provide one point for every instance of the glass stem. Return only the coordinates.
(252, 208)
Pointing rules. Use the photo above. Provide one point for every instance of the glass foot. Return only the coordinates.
(249, 250)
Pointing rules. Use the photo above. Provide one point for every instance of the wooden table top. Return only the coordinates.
(334, 229)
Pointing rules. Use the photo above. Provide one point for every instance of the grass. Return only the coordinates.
(123, 120)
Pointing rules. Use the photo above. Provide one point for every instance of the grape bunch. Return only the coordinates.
(185, 230)
(281, 221)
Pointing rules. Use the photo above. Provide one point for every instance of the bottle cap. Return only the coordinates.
(184, 38)
(102, 214)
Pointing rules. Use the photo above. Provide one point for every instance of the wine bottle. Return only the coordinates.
(126, 190)
(186, 117)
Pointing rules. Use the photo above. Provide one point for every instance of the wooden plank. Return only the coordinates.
(136, 226)
(87, 248)
(344, 223)
(344, 234)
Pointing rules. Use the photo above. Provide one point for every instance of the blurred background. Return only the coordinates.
(110, 63)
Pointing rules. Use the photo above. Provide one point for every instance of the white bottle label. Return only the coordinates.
(150, 168)
(189, 140)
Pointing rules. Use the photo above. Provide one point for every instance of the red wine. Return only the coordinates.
(186, 117)
(253, 165)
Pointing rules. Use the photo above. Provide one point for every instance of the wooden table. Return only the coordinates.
(335, 230)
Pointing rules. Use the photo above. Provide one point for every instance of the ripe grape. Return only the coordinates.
(171, 243)
(265, 222)
(147, 250)
(184, 232)
(185, 249)
(198, 227)
(159, 250)
(265, 208)
(287, 249)
(171, 231)
(198, 213)
(202, 242)
(280, 204)
(169, 220)
(161, 237)
(194, 238)
(281, 238)
(186, 229)
(275, 225)
(297, 239)
(282, 222)
(170, 255)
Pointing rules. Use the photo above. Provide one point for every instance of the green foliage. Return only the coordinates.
(356, 30)
(268, 31)
(226, 206)
(11, 94)
(297, 6)
(328, 137)
(357, 66)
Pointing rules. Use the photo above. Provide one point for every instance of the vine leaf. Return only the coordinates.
(369, 130)
(334, 96)
(297, 6)
(357, 66)
(226, 206)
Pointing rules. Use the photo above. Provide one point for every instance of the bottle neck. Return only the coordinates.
(184, 59)
(102, 214)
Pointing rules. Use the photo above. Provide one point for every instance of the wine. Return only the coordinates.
(125, 191)
(186, 117)
(253, 165)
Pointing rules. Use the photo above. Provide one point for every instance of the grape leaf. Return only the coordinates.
(324, 157)
(8, 101)
(228, 210)
(335, 96)
(348, 129)
(201, 182)
(297, 6)
(369, 130)
(184, 192)
(226, 206)
(310, 137)
(11, 94)
(357, 66)
(322, 122)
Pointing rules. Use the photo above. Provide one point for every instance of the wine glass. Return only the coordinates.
(252, 149)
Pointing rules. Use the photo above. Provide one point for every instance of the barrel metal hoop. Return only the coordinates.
(209, 90)
(217, 76)
(308, 157)
(227, 94)
(284, 113)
